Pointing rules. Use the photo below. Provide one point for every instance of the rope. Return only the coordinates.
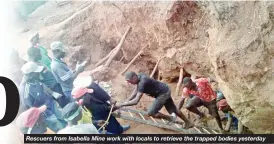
(107, 118)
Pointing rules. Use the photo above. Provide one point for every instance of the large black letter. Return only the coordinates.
(12, 101)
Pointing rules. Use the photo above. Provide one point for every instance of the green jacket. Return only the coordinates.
(86, 116)
(46, 60)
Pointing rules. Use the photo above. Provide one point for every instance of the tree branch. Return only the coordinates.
(129, 64)
(118, 48)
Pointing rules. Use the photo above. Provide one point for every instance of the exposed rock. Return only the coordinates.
(107, 86)
(244, 66)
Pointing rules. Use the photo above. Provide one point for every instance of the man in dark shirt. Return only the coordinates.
(158, 90)
(95, 99)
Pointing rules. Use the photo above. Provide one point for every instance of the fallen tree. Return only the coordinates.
(105, 58)
(118, 48)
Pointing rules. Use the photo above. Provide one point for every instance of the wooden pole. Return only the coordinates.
(121, 59)
(159, 75)
(155, 68)
(179, 82)
(118, 48)
(129, 64)
(91, 72)
(104, 59)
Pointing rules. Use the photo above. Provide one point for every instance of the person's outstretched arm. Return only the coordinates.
(133, 94)
(182, 100)
(133, 101)
(181, 103)
(50, 92)
(77, 72)
(65, 74)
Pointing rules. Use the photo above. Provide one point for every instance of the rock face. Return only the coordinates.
(232, 41)
(241, 52)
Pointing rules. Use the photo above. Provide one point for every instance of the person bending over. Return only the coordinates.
(200, 94)
(95, 99)
(158, 90)
(225, 108)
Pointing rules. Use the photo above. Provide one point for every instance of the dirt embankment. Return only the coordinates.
(231, 41)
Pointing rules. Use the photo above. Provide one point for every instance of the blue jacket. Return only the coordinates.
(36, 96)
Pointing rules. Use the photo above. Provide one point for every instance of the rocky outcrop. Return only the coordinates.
(240, 52)
(232, 41)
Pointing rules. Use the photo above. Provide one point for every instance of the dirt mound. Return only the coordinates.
(232, 41)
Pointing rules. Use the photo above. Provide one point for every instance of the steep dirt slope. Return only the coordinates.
(231, 41)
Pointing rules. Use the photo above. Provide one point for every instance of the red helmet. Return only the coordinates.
(222, 104)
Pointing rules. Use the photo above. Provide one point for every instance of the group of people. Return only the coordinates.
(51, 101)
(198, 91)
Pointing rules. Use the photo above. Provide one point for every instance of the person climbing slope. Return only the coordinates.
(224, 107)
(200, 94)
(156, 89)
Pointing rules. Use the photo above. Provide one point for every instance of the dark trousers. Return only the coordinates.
(62, 101)
(101, 112)
(195, 101)
(160, 101)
